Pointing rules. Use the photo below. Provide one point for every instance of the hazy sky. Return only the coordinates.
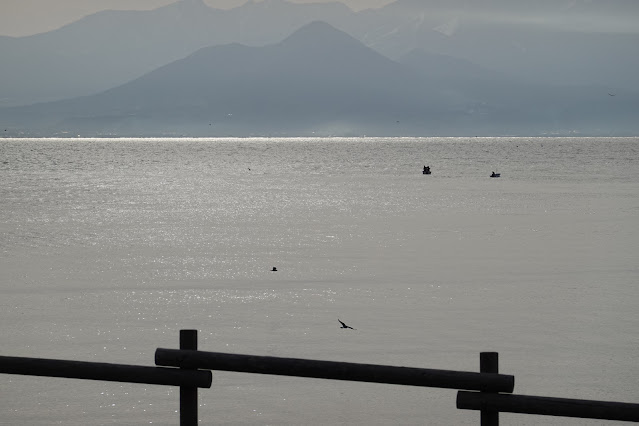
(24, 17)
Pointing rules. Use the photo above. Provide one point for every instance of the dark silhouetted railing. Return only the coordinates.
(491, 390)
(335, 370)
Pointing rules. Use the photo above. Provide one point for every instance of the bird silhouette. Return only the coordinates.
(344, 325)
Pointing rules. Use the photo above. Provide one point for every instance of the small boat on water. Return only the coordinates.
(426, 170)
(495, 174)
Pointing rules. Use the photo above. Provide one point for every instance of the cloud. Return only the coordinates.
(449, 28)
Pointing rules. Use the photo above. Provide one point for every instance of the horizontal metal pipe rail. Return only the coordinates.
(105, 372)
(547, 406)
(335, 370)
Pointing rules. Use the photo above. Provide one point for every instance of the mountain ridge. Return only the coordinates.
(109, 48)
(318, 81)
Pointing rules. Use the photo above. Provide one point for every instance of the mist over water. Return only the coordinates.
(108, 247)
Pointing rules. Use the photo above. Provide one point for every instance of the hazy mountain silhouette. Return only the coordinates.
(317, 78)
(574, 46)
(547, 41)
(110, 48)
(322, 81)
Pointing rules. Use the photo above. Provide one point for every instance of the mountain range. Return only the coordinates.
(187, 69)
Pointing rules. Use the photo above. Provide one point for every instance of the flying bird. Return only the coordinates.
(344, 325)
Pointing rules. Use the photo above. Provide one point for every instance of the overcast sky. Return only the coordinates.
(25, 17)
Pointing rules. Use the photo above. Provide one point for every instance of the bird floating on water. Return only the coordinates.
(344, 325)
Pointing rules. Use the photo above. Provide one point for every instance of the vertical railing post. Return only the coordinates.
(188, 395)
(489, 363)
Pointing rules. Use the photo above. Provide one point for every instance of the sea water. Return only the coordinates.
(108, 247)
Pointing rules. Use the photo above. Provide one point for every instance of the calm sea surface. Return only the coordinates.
(108, 247)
